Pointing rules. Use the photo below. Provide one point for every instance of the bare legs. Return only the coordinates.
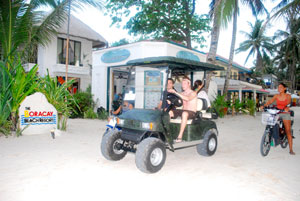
(287, 126)
(184, 119)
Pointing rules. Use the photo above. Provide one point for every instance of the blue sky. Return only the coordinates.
(100, 23)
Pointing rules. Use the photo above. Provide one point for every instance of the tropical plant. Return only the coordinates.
(231, 9)
(83, 101)
(102, 114)
(5, 100)
(23, 25)
(237, 106)
(257, 43)
(222, 13)
(22, 84)
(220, 105)
(90, 114)
(161, 19)
(59, 96)
(250, 106)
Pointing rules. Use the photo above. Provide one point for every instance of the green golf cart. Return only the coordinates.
(147, 131)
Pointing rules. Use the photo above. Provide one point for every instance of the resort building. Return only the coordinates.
(53, 56)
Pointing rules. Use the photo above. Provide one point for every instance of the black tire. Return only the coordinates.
(150, 155)
(109, 145)
(284, 142)
(265, 144)
(209, 145)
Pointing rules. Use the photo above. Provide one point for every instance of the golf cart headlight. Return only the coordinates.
(120, 121)
(148, 126)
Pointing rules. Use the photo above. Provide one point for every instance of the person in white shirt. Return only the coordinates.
(198, 85)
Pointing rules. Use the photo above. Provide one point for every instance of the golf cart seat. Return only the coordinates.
(201, 112)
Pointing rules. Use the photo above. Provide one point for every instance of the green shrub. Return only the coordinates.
(102, 114)
(90, 114)
(250, 106)
(219, 105)
(84, 102)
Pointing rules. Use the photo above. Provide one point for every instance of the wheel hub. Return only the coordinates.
(156, 156)
(212, 144)
(117, 146)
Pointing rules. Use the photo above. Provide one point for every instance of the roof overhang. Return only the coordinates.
(173, 63)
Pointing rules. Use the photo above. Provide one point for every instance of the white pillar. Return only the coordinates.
(240, 94)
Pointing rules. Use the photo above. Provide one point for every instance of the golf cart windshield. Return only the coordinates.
(144, 87)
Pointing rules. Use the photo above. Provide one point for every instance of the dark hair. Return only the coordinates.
(171, 80)
(284, 85)
(197, 83)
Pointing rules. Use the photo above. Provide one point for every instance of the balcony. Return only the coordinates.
(61, 68)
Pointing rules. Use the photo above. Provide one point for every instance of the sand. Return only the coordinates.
(71, 167)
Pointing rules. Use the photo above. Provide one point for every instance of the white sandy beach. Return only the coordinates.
(71, 167)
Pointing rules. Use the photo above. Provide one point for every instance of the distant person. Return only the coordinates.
(123, 108)
(198, 85)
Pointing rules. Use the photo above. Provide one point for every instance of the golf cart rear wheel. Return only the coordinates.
(150, 155)
(111, 144)
(209, 145)
(265, 144)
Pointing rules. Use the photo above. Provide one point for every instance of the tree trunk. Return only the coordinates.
(231, 55)
(259, 62)
(211, 56)
(188, 23)
(292, 74)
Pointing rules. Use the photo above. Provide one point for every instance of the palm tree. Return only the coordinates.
(258, 44)
(23, 26)
(222, 12)
(231, 9)
(289, 45)
(211, 56)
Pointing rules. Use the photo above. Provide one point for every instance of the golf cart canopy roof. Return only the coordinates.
(173, 63)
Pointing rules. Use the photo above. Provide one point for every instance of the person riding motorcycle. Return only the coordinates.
(283, 100)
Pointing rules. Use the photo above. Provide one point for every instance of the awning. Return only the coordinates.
(259, 91)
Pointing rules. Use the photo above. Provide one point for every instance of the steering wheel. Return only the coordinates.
(174, 99)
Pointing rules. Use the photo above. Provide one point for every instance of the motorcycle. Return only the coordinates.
(275, 133)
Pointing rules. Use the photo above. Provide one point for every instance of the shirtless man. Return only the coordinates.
(189, 98)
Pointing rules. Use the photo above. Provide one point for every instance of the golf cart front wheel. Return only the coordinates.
(111, 145)
(150, 155)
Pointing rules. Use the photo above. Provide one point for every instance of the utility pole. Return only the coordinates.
(67, 48)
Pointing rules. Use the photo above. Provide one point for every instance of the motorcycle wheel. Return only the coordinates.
(284, 142)
(265, 144)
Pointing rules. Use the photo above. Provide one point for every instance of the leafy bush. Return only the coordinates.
(219, 105)
(90, 114)
(84, 102)
(59, 96)
(250, 106)
(102, 114)
(15, 85)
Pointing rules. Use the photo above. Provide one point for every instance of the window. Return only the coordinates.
(223, 73)
(74, 51)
